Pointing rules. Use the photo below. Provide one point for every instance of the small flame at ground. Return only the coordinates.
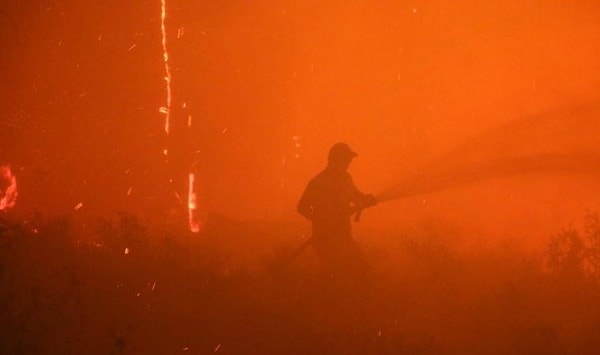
(9, 194)
(194, 224)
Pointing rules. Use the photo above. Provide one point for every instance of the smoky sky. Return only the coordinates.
(270, 85)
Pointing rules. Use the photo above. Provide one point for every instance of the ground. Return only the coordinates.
(64, 291)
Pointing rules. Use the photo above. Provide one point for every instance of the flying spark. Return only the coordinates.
(180, 32)
(194, 224)
(163, 27)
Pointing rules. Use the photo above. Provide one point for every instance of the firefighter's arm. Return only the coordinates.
(361, 200)
(366, 201)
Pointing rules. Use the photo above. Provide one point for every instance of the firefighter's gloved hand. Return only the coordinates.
(370, 200)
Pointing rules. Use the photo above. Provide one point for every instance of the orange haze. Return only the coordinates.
(270, 85)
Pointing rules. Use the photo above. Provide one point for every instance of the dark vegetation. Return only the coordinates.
(122, 288)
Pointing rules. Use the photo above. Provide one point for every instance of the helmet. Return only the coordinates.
(341, 151)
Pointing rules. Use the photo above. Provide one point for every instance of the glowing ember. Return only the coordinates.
(9, 193)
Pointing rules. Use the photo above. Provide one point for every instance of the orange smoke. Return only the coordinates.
(9, 194)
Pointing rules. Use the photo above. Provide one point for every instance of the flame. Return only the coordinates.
(194, 224)
(9, 195)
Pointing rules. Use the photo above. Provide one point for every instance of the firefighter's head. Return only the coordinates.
(340, 156)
